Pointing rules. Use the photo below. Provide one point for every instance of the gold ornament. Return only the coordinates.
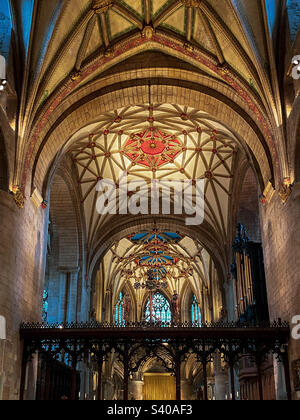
(19, 197)
(223, 69)
(148, 32)
(75, 75)
(188, 47)
(285, 192)
(108, 52)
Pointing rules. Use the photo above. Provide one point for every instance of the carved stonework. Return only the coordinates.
(148, 32)
(76, 75)
(19, 197)
(296, 372)
(101, 6)
(286, 190)
(191, 3)
(223, 69)
(108, 52)
(188, 47)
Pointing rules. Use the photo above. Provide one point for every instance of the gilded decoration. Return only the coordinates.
(19, 197)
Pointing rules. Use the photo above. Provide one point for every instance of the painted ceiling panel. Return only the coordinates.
(118, 24)
(74, 35)
(158, 5)
(71, 14)
(162, 142)
(48, 13)
(176, 21)
(250, 13)
(124, 265)
(135, 5)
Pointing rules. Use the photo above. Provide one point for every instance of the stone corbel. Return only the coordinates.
(19, 196)
(268, 193)
(148, 32)
(286, 190)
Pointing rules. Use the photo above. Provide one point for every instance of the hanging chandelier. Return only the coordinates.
(152, 283)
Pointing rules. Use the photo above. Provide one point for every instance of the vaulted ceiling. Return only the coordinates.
(58, 39)
(67, 49)
(177, 261)
(161, 142)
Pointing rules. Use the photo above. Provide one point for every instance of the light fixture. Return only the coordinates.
(4, 82)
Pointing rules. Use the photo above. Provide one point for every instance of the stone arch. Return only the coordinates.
(64, 261)
(248, 206)
(4, 181)
(74, 114)
(121, 227)
(245, 206)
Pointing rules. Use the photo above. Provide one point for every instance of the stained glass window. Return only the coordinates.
(195, 311)
(45, 306)
(119, 316)
(161, 310)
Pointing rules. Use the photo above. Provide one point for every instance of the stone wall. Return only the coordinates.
(22, 262)
(281, 244)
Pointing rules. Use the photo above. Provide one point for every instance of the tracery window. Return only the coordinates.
(161, 310)
(45, 306)
(195, 311)
(119, 315)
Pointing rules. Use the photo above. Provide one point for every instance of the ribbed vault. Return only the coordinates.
(70, 45)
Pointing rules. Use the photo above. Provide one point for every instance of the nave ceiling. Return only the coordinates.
(69, 44)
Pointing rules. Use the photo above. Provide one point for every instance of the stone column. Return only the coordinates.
(136, 390)
(211, 388)
(281, 246)
(108, 389)
(23, 233)
(221, 379)
(280, 386)
(187, 391)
